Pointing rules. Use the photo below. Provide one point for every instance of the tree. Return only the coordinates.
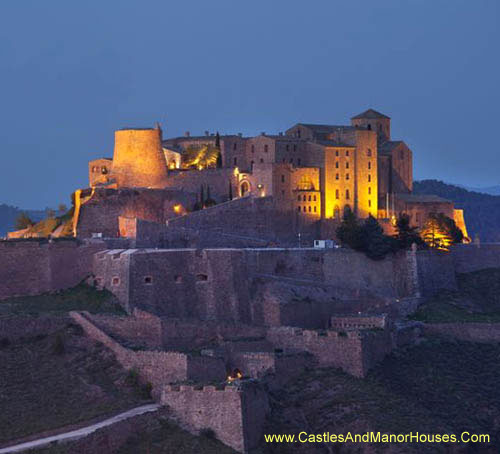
(23, 222)
(217, 140)
(200, 157)
(406, 235)
(376, 244)
(435, 234)
(349, 231)
(62, 208)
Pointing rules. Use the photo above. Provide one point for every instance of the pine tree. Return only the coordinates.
(217, 140)
(405, 234)
(23, 222)
(376, 244)
(349, 232)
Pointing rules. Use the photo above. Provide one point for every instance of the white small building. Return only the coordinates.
(324, 244)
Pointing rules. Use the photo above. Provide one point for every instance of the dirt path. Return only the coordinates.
(82, 432)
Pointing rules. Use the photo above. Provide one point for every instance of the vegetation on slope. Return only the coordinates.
(477, 300)
(482, 211)
(51, 381)
(436, 387)
(80, 298)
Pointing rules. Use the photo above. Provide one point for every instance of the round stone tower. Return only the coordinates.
(138, 160)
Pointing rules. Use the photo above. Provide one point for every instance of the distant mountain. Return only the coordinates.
(9, 214)
(491, 190)
(482, 211)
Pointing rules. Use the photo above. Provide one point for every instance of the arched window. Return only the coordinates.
(304, 198)
(369, 190)
(369, 165)
(369, 127)
(253, 148)
(266, 148)
(336, 212)
(305, 183)
(235, 145)
(336, 164)
(346, 165)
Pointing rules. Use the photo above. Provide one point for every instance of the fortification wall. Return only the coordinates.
(101, 212)
(155, 367)
(235, 414)
(435, 271)
(300, 287)
(34, 267)
(470, 257)
(353, 351)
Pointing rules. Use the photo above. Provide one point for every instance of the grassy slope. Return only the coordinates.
(477, 300)
(80, 298)
(41, 389)
(436, 387)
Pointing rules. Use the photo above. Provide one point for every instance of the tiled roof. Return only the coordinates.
(333, 143)
(421, 198)
(325, 128)
(370, 113)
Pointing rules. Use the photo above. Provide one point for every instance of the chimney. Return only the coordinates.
(186, 134)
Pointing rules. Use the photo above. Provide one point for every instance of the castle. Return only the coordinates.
(311, 173)
(222, 305)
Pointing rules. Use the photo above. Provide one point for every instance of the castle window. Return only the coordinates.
(369, 127)
(148, 280)
(337, 195)
(336, 176)
(253, 148)
(347, 153)
(201, 278)
(115, 280)
(369, 178)
(369, 203)
(346, 176)
(369, 190)
(261, 160)
(282, 178)
(336, 164)
(235, 161)
(178, 279)
(346, 165)
(314, 198)
(310, 198)
(294, 147)
(309, 208)
(287, 147)
(347, 194)
(315, 209)
(266, 148)
(336, 152)
(304, 198)
(298, 133)
(298, 161)
(235, 145)
(369, 152)
(369, 164)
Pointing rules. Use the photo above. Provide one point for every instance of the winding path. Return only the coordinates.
(82, 432)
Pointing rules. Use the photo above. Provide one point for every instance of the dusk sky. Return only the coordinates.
(73, 72)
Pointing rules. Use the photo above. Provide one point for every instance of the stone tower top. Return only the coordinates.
(138, 159)
(375, 121)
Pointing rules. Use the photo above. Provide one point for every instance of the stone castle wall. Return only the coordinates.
(235, 414)
(33, 267)
(156, 367)
(470, 257)
(354, 352)
(237, 284)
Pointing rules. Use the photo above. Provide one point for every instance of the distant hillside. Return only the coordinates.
(492, 190)
(9, 214)
(482, 211)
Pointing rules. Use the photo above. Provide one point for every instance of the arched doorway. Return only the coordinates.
(336, 212)
(244, 188)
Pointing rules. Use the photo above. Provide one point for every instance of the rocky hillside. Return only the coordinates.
(482, 211)
(9, 214)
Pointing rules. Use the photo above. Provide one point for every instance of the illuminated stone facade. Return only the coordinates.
(315, 170)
